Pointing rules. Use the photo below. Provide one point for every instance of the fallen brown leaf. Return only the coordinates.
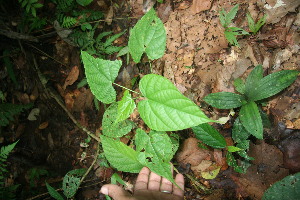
(72, 77)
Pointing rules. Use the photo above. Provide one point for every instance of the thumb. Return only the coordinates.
(114, 191)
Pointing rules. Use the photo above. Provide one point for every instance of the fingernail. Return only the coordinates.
(104, 190)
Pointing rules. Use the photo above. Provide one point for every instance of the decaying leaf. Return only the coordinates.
(72, 77)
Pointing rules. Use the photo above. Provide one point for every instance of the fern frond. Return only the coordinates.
(4, 151)
(8, 110)
(102, 35)
(88, 15)
(82, 38)
(111, 39)
(112, 49)
(64, 5)
(69, 21)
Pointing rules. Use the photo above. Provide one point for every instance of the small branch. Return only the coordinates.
(18, 36)
(93, 163)
(126, 88)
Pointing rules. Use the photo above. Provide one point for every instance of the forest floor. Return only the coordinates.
(198, 60)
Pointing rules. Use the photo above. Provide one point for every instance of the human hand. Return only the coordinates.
(149, 186)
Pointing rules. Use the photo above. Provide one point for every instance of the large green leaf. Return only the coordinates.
(224, 100)
(252, 81)
(120, 156)
(251, 120)
(125, 107)
(148, 35)
(100, 76)
(112, 128)
(157, 152)
(165, 108)
(274, 83)
(287, 188)
(209, 135)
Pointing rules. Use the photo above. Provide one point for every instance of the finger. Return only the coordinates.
(154, 182)
(114, 191)
(166, 185)
(179, 179)
(142, 179)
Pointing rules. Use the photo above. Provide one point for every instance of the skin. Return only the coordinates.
(148, 187)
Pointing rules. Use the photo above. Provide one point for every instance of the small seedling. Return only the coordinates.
(254, 27)
(231, 32)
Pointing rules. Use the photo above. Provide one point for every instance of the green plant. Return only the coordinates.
(249, 122)
(30, 6)
(8, 110)
(68, 15)
(155, 149)
(287, 188)
(6, 192)
(254, 27)
(70, 185)
(231, 32)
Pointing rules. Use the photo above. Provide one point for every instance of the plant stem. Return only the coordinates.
(126, 88)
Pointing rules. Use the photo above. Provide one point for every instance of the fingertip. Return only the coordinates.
(114, 191)
(179, 179)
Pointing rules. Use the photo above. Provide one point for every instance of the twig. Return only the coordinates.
(93, 163)
(126, 88)
(18, 36)
(42, 52)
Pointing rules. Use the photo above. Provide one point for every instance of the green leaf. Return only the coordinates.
(84, 2)
(232, 32)
(71, 182)
(226, 18)
(239, 133)
(233, 149)
(209, 135)
(231, 161)
(274, 83)
(100, 75)
(156, 145)
(237, 31)
(239, 85)
(112, 128)
(287, 188)
(120, 156)
(116, 178)
(157, 152)
(251, 120)
(165, 108)
(254, 27)
(231, 14)
(230, 36)
(252, 82)
(125, 107)
(251, 22)
(224, 100)
(53, 193)
(123, 51)
(149, 36)
(260, 23)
